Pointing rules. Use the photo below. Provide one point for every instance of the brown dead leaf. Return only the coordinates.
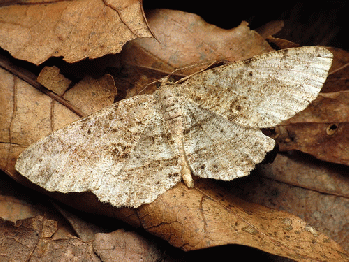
(24, 106)
(269, 29)
(125, 246)
(181, 50)
(187, 218)
(17, 242)
(209, 215)
(51, 78)
(185, 39)
(72, 29)
(42, 231)
(322, 128)
(325, 141)
(314, 190)
(20, 203)
(85, 230)
(15, 203)
(338, 77)
(31, 240)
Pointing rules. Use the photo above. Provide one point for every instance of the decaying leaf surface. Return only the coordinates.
(204, 42)
(30, 240)
(39, 232)
(326, 141)
(338, 78)
(168, 213)
(167, 53)
(72, 29)
(121, 245)
(312, 189)
(322, 129)
(41, 115)
(17, 242)
(209, 216)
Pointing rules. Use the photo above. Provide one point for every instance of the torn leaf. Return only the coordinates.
(72, 29)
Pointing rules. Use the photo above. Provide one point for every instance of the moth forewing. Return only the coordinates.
(133, 151)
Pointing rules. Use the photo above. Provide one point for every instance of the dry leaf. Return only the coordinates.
(15, 203)
(17, 242)
(325, 141)
(85, 230)
(209, 215)
(72, 29)
(51, 78)
(338, 78)
(269, 29)
(125, 246)
(31, 240)
(314, 190)
(171, 212)
(322, 129)
(178, 45)
(19, 203)
(41, 115)
(146, 61)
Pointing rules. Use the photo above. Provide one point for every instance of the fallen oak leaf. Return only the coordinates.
(167, 54)
(52, 79)
(146, 61)
(99, 92)
(18, 241)
(30, 78)
(210, 215)
(338, 76)
(72, 29)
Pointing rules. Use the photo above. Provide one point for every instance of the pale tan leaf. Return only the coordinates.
(72, 29)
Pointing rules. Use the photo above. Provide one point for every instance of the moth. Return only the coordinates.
(208, 126)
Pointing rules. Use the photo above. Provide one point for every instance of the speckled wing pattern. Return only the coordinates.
(133, 151)
(264, 90)
(121, 154)
(218, 148)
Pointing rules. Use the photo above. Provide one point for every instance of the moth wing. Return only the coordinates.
(152, 169)
(218, 148)
(98, 154)
(264, 90)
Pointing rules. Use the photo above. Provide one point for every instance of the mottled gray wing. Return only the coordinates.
(116, 153)
(218, 148)
(264, 90)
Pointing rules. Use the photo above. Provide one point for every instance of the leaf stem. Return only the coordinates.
(29, 77)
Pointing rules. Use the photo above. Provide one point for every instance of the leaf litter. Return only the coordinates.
(174, 229)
